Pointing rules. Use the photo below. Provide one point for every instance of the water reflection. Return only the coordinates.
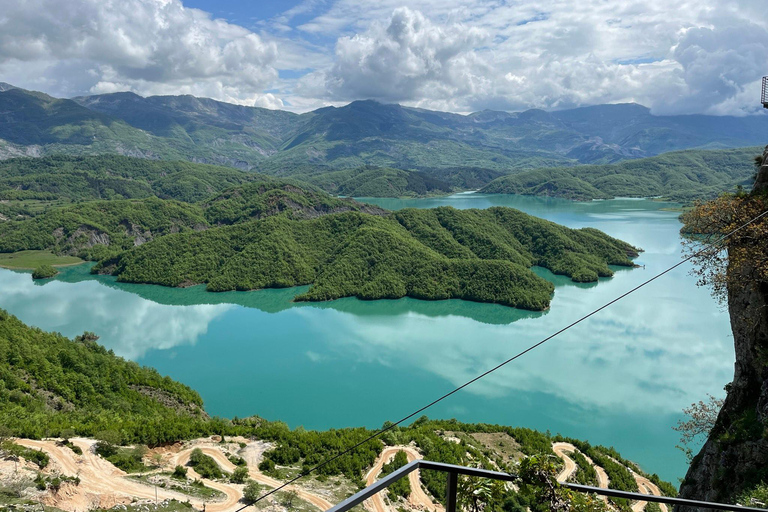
(126, 323)
(619, 378)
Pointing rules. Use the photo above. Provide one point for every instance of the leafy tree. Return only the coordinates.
(252, 491)
(702, 416)
(240, 475)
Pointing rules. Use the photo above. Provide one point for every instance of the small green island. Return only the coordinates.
(44, 272)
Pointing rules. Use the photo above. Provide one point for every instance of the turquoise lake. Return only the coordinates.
(620, 378)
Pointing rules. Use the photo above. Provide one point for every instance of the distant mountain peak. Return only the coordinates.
(4, 86)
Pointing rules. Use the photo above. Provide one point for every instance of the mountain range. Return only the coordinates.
(452, 147)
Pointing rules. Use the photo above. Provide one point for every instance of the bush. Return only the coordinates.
(252, 492)
(44, 272)
(179, 472)
(240, 475)
(204, 465)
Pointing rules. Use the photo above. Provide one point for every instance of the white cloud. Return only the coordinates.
(147, 46)
(675, 56)
(402, 60)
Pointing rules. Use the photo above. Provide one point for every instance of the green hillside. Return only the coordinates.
(99, 229)
(678, 176)
(377, 182)
(68, 178)
(479, 255)
(49, 383)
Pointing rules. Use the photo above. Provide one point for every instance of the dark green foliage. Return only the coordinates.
(252, 491)
(679, 176)
(401, 488)
(240, 475)
(49, 383)
(377, 182)
(99, 229)
(44, 272)
(204, 465)
(586, 474)
(179, 472)
(619, 476)
(39, 457)
(113, 177)
(129, 460)
(237, 461)
(480, 255)
(267, 197)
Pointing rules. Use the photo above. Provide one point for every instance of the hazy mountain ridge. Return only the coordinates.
(360, 133)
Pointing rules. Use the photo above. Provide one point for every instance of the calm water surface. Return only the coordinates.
(620, 378)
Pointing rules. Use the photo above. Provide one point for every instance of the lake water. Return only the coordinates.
(619, 378)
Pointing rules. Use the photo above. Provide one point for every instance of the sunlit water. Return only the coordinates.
(620, 378)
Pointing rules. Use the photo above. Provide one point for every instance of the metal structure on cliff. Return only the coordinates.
(764, 95)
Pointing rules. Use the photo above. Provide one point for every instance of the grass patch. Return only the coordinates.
(30, 260)
(192, 488)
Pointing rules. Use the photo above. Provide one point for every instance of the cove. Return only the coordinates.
(620, 378)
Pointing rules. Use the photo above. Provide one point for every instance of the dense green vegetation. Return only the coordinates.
(586, 474)
(377, 182)
(112, 177)
(50, 384)
(268, 196)
(678, 176)
(98, 229)
(480, 255)
(204, 465)
(402, 487)
(44, 272)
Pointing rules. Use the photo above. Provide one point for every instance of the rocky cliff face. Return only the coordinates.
(735, 457)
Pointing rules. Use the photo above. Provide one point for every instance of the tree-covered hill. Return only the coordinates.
(98, 229)
(479, 255)
(49, 383)
(679, 176)
(266, 196)
(377, 182)
(70, 178)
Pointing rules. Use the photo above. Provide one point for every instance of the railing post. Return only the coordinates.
(452, 487)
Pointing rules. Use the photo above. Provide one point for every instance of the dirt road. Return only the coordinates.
(418, 498)
(101, 483)
(183, 457)
(561, 450)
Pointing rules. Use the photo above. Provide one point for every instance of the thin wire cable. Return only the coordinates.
(516, 356)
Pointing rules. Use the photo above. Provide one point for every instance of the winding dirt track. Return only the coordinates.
(645, 485)
(182, 458)
(418, 498)
(100, 481)
(102, 484)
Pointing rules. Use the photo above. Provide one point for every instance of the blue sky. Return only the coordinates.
(674, 56)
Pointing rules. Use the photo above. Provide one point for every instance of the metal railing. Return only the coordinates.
(454, 471)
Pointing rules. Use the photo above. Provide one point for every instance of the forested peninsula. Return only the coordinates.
(266, 232)
(677, 176)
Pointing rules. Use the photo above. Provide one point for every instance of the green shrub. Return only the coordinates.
(44, 272)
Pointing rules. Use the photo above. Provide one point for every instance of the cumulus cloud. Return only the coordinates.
(147, 46)
(670, 55)
(674, 56)
(405, 59)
